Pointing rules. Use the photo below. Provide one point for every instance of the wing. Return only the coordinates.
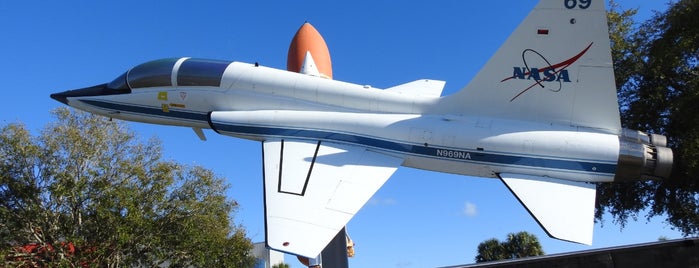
(312, 189)
(565, 209)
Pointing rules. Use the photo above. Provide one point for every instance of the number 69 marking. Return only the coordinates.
(570, 4)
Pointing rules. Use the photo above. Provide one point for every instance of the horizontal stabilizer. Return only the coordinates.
(313, 188)
(422, 87)
(565, 209)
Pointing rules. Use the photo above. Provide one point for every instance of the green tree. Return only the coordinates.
(281, 265)
(517, 245)
(86, 192)
(491, 250)
(656, 69)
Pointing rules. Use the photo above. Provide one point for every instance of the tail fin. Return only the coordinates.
(555, 67)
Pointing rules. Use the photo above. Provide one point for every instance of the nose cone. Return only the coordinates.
(309, 41)
(97, 90)
(60, 97)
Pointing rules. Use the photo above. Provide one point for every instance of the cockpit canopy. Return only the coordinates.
(160, 73)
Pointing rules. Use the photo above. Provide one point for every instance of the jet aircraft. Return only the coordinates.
(541, 116)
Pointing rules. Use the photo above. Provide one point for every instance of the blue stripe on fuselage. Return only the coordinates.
(476, 156)
(149, 110)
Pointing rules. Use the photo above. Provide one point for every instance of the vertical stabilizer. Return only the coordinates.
(555, 67)
(309, 66)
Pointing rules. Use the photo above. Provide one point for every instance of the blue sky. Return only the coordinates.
(418, 219)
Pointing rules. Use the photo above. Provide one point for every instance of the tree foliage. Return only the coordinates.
(656, 69)
(85, 192)
(517, 245)
(281, 265)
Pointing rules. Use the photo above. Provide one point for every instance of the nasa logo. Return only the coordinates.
(550, 73)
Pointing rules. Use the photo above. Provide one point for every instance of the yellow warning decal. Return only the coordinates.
(162, 95)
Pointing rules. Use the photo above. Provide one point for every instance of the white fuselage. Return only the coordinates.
(257, 103)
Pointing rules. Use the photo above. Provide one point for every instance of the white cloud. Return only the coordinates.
(470, 209)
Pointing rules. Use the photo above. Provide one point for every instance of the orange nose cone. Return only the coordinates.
(307, 38)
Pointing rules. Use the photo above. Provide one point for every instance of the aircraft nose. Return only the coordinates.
(60, 97)
(97, 90)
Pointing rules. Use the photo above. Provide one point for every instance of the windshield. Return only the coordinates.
(158, 73)
(119, 83)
